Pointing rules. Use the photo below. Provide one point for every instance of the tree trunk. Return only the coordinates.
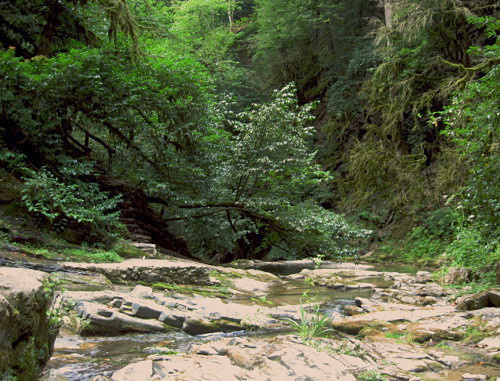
(388, 13)
(136, 206)
(230, 14)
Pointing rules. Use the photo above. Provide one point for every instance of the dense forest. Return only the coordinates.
(257, 129)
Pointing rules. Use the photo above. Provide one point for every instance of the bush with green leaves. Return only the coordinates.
(58, 202)
(471, 121)
(265, 192)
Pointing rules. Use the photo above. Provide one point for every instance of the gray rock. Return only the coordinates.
(142, 292)
(473, 377)
(54, 375)
(148, 248)
(141, 371)
(480, 300)
(104, 320)
(27, 333)
(174, 319)
(149, 271)
(201, 325)
(457, 275)
(146, 311)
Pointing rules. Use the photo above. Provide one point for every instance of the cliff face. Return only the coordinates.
(27, 332)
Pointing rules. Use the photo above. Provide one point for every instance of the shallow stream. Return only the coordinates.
(81, 358)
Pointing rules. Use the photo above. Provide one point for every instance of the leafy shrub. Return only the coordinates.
(472, 250)
(441, 222)
(267, 189)
(58, 202)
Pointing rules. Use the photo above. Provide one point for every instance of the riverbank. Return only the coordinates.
(236, 322)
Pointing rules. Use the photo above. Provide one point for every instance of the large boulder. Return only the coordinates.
(457, 275)
(141, 310)
(105, 320)
(142, 370)
(27, 331)
(480, 300)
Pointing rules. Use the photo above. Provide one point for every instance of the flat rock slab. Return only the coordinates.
(149, 271)
(411, 358)
(401, 315)
(292, 358)
(24, 282)
(283, 358)
(143, 310)
(174, 271)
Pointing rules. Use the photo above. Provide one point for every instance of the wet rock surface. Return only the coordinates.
(401, 326)
(478, 301)
(143, 310)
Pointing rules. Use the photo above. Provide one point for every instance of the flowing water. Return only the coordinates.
(81, 358)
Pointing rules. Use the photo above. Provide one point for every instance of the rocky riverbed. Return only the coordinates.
(181, 320)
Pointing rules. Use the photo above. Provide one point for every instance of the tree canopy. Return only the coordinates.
(254, 128)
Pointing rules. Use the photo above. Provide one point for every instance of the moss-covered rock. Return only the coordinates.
(27, 330)
(350, 327)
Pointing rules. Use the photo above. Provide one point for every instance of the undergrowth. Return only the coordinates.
(312, 323)
(448, 238)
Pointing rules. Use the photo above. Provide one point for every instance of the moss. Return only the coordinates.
(496, 358)
(26, 364)
(475, 332)
(10, 187)
(350, 327)
(395, 335)
(125, 250)
(225, 275)
(220, 292)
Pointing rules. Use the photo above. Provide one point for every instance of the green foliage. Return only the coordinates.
(349, 349)
(293, 41)
(44, 194)
(312, 324)
(79, 254)
(371, 376)
(441, 222)
(423, 59)
(377, 174)
(247, 184)
(261, 300)
(472, 125)
(266, 189)
(218, 33)
(395, 335)
(471, 121)
(474, 333)
(472, 250)
(43, 27)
